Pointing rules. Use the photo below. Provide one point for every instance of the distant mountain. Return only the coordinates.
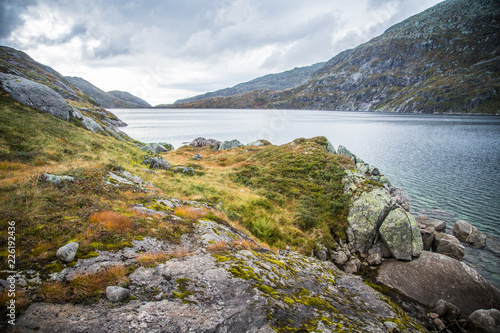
(445, 59)
(109, 100)
(280, 81)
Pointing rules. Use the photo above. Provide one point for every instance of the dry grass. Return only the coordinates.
(244, 244)
(150, 259)
(55, 292)
(217, 247)
(189, 212)
(180, 252)
(111, 220)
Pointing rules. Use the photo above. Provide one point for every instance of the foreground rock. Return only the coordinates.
(230, 144)
(67, 252)
(434, 276)
(157, 163)
(448, 245)
(469, 234)
(117, 294)
(485, 321)
(35, 94)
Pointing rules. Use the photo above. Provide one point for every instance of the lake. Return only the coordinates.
(448, 164)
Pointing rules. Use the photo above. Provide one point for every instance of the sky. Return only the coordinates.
(164, 50)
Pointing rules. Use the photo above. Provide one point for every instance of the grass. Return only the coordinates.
(111, 220)
(151, 259)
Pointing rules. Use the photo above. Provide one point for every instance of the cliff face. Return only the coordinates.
(445, 59)
(111, 100)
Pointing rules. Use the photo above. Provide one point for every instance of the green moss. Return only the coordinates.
(245, 273)
(89, 255)
(53, 267)
(288, 301)
(183, 292)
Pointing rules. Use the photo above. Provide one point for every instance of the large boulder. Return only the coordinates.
(201, 142)
(448, 245)
(35, 94)
(400, 234)
(230, 144)
(425, 221)
(156, 163)
(469, 234)
(157, 148)
(400, 197)
(434, 276)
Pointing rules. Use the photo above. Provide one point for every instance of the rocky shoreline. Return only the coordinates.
(224, 281)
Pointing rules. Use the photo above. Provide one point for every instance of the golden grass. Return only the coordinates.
(181, 252)
(217, 247)
(150, 259)
(189, 212)
(244, 244)
(111, 220)
(55, 292)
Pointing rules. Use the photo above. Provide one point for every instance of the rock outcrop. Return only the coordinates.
(230, 144)
(434, 276)
(34, 94)
(201, 142)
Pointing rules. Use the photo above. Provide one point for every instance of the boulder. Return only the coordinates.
(230, 144)
(434, 276)
(201, 142)
(352, 266)
(469, 234)
(362, 167)
(427, 237)
(155, 148)
(341, 150)
(339, 258)
(321, 253)
(184, 170)
(400, 234)
(425, 221)
(448, 245)
(257, 143)
(330, 148)
(197, 157)
(117, 294)
(446, 310)
(365, 217)
(400, 197)
(55, 179)
(485, 321)
(92, 125)
(374, 259)
(156, 163)
(36, 95)
(67, 252)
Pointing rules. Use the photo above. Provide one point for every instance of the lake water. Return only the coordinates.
(448, 164)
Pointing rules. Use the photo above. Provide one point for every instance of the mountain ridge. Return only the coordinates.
(444, 59)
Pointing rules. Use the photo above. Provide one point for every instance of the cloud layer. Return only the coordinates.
(171, 49)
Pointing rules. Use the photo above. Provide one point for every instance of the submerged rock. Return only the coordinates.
(469, 234)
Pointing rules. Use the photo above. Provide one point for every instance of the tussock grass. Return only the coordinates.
(150, 259)
(189, 212)
(111, 220)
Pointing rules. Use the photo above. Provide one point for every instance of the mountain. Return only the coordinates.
(111, 100)
(280, 81)
(445, 59)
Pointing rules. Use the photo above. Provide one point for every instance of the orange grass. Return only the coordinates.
(150, 259)
(217, 247)
(111, 220)
(189, 212)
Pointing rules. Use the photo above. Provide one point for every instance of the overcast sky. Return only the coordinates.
(163, 50)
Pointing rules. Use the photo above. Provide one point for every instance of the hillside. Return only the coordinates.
(109, 100)
(445, 59)
(279, 81)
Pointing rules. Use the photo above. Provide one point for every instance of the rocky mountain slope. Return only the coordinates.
(279, 81)
(110, 100)
(445, 59)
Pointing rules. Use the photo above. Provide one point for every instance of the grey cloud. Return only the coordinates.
(10, 15)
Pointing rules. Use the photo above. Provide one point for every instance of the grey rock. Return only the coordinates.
(35, 94)
(384, 180)
(374, 259)
(392, 327)
(469, 234)
(352, 266)
(201, 142)
(362, 167)
(485, 321)
(321, 253)
(197, 157)
(446, 310)
(156, 163)
(155, 148)
(92, 125)
(341, 150)
(67, 252)
(400, 234)
(339, 258)
(330, 148)
(230, 144)
(374, 171)
(257, 143)
(184, 170)
(427, 234)
(434, 276)
(438, 225)
(400, 197)
(448, 245)
(55, 179)
(117, 294)
(439, 324)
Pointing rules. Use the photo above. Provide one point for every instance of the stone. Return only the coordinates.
(257, 143)
(339, 258)
(321, 253)
(391, 327)
(427, 235)
(156, 163)
(365, 217)
(117, 294)
(448, 245)
(362, 167)
(469, 234)
(67, 252)
(230, 144)
(485, 321)
(434, 276)
(197, 157)
(92, 125)
(400, 234)
(35, 94)
(352, 266)
(374, 171)
(438, 323)
(341, 150)
(446, 310)
(201, 142)
(374, 259)
(155, 148)
(184, 170)
(330, 148)
(438, 225)
(55, 179)
(400, 197)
